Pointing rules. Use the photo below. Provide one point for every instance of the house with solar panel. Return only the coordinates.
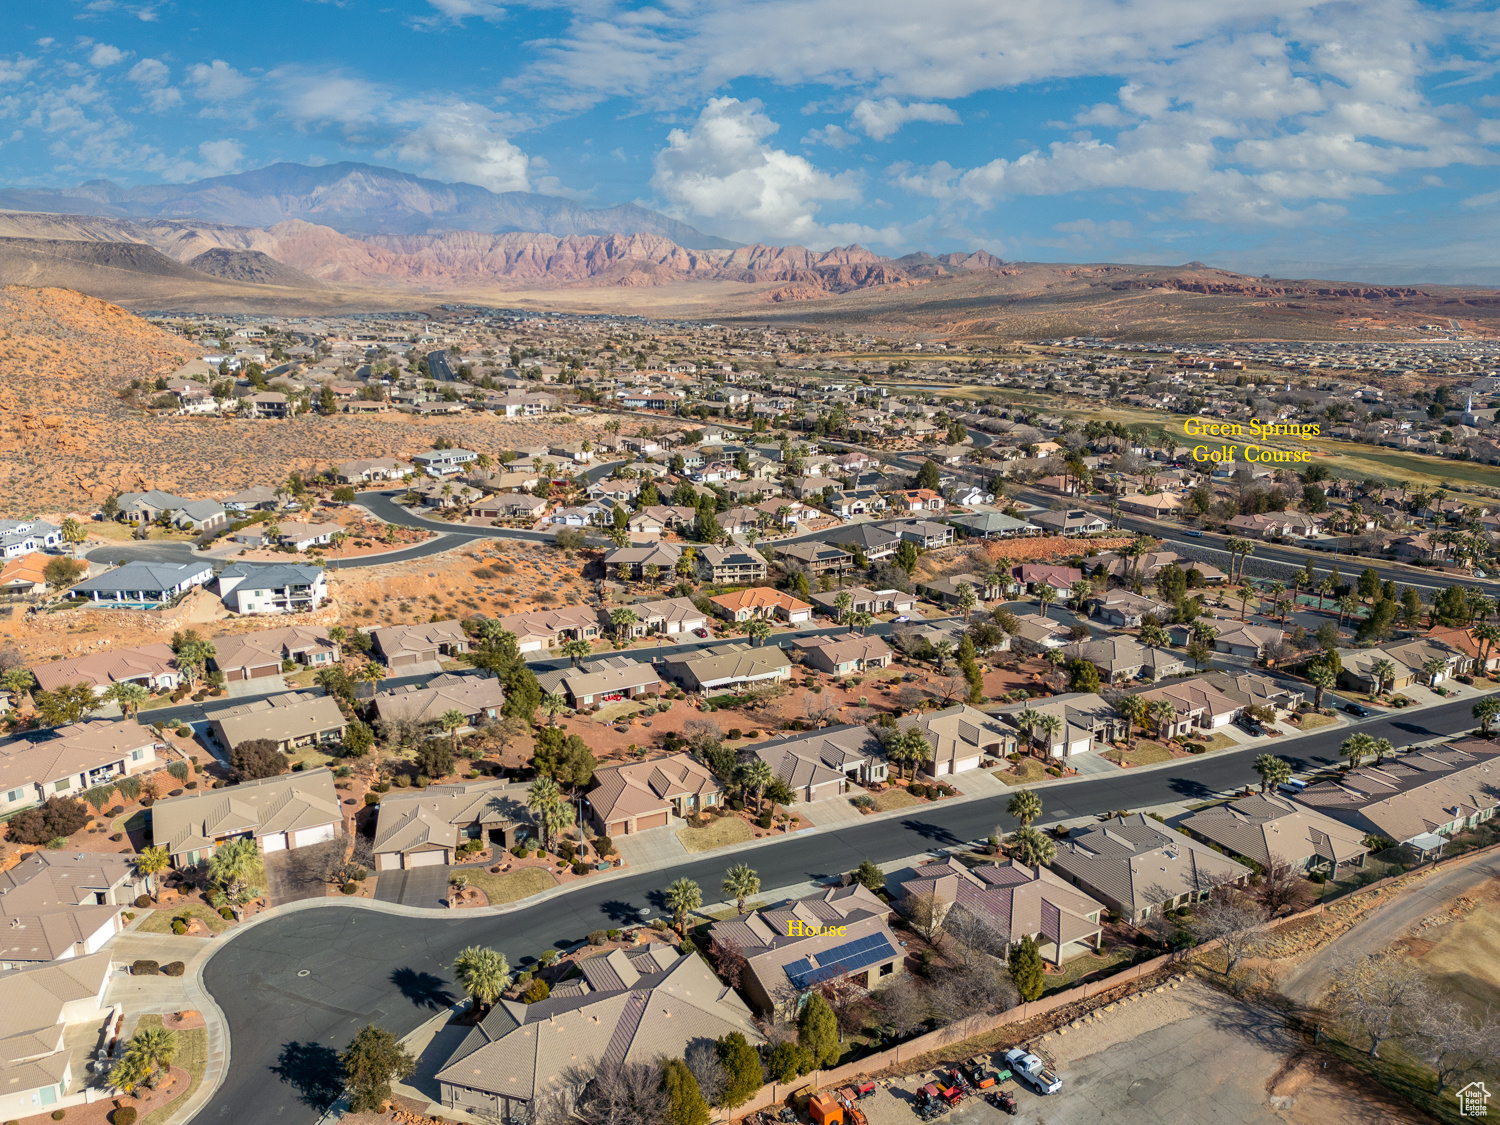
(791, 949)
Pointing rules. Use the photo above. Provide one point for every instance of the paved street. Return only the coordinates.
(362, 966)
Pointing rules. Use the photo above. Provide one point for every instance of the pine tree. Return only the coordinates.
(1027, 969)
(742, 1061)
(818, 1031)
(687, 1105)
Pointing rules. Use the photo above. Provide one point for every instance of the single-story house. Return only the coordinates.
(1073, 521)
(402, 646)
(841, 933)
(55, 905)
(727, 666)
(1125, 609)
(761, 602)
(254, 656)
(424, 828)
(1124, 658)
(290, 720)
(544, 628)
(863, 600)
(144, 584)
(821, 765)
(293, 810)
(477, 697)
(1088, 722)
(638, 796)
(607, 679)
(66, 761)
(667, 616)
(1272, 830)
(38, 1006)
(960, 737)
(152, 666)
(373, 469)
(843, 656)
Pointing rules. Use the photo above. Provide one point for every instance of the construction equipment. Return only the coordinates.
(852, 1113)
(826, 1109)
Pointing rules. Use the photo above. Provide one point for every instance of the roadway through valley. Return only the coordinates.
(296, 988)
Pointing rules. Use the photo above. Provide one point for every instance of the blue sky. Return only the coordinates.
(1289, 136)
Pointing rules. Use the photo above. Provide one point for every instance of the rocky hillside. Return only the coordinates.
(251, 266)
(67, 440)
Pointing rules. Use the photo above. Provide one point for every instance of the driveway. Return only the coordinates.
(298, 873)
(422, 886)
(1387, 924)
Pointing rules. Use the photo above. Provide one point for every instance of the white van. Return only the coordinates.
(1292, 786)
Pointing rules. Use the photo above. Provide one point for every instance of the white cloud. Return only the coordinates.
(1091, 228)
(462, 142)
(104, 55)
(834, 136)
(15, 69)
(221, 157)
(219, 82)
(150, 72)
(722, 172)
(459, 10)
(879, 119)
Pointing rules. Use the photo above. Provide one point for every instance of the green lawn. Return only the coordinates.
(621, 710)
(160, 921)
(512, 886)
(1079, 967)
(894, 798)
(192, 1056)
(716, 834)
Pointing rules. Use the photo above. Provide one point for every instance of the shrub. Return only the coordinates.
(579, 867)
(142, 901)
(614, 935)
(256, 758)
(1196, 748)
(519, 852)
(125, 1115)
(59, 818)
(1317, 877)
(179, 927)
(604, 844)
(173, 969)
(734, 733)
(864, 801)
(116, 837)
(764, 820)
(598, 937)
(350, 888)
(226, 913)
(917, 789)
(144, 968)
(536, 991)
(59, 1114)
(114, 810)
(752, 734)
(372, 799)
(57, 843)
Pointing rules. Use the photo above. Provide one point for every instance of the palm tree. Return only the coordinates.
(861, 621)
(1348, 606)
(17, 681)
(1133, 707)
(576, 649)
(151, 862)
(1382, 747)
(754, 776)
(622, 618)
(1355, 747)
(1322, 677)
(1026, 720)
(1325, 589)
(1045, 596)
(453, 720)
(943, 650)
(128, 694)
(1273, 771)
(73, 534)
(910, 747)
(683, 896)
(1165, 715)
(1154, 636)
(758, 629)
(553, 812)
(1052, 727)
(1434, 668)
(482, 973)
(1234, 546)
(1246, 592)
(372, 672)
(740, 882)
(1487, 710)
(1277, 590)
(554, 703)
(1081, 591)
(149, 1052)
(841, 603)
(1382, 671)
(967, 599)
(1025, 806)
(1032, 847)
(232, 866)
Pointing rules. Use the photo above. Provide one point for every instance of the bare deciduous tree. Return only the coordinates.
(603, 1093)
(1381, 995)
(926, 914)
(1282, 887)
(702, 733)
(703, 1061)
(966, 996)
(1453, 1044)
(973, 935)
(1234, 920)
(903, 1005)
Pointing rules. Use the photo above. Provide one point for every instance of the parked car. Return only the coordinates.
(701, 633)
(1357, 709)
(1250, 726)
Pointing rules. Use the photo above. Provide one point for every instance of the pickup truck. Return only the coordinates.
(1027, 1068)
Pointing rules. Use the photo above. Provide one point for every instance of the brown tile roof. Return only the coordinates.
(100, 669)
(644, 787)
(1016, 900)
(51, 755)
(1273, 830)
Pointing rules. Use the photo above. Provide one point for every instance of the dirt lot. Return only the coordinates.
(1187, 1055)
(1460, 948)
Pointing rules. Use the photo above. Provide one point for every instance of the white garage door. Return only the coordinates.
(312, 836)
(424, 859)
(276, 842)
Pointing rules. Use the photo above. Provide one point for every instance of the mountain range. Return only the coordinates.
(355, 199)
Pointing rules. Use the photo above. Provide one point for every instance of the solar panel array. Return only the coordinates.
(840, 960)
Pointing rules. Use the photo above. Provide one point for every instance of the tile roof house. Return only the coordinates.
(293, 810)
(543, 628)
(1074, 521)
(847, 655)
(1409, 657)
(819, 766)
(1014, 900)
(630, 562)
(789, 950)
(637, 796)
(68, 760)
(960, 737)
(1089, 722)
(290, 720)
(402, 646)
(253, 656)
(606, 679)
(56, 905)
(1424, 793)
(631, 1006)
(477, 697)
(724, 666)
(374, 468)
(425, 828)
(1234, 637)
(152, 666)
(873, 541)
(667, 616)
(1135, 865)
(1038, 632)
(1257, 689)
(761, 602)
(1197, 702)
(38, 1005)
(24, 573)
(1274, 831)
(276, 588)
(818, 558)
(1127, 610)
(864, 600)
(1124, 658)
(144, 584)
